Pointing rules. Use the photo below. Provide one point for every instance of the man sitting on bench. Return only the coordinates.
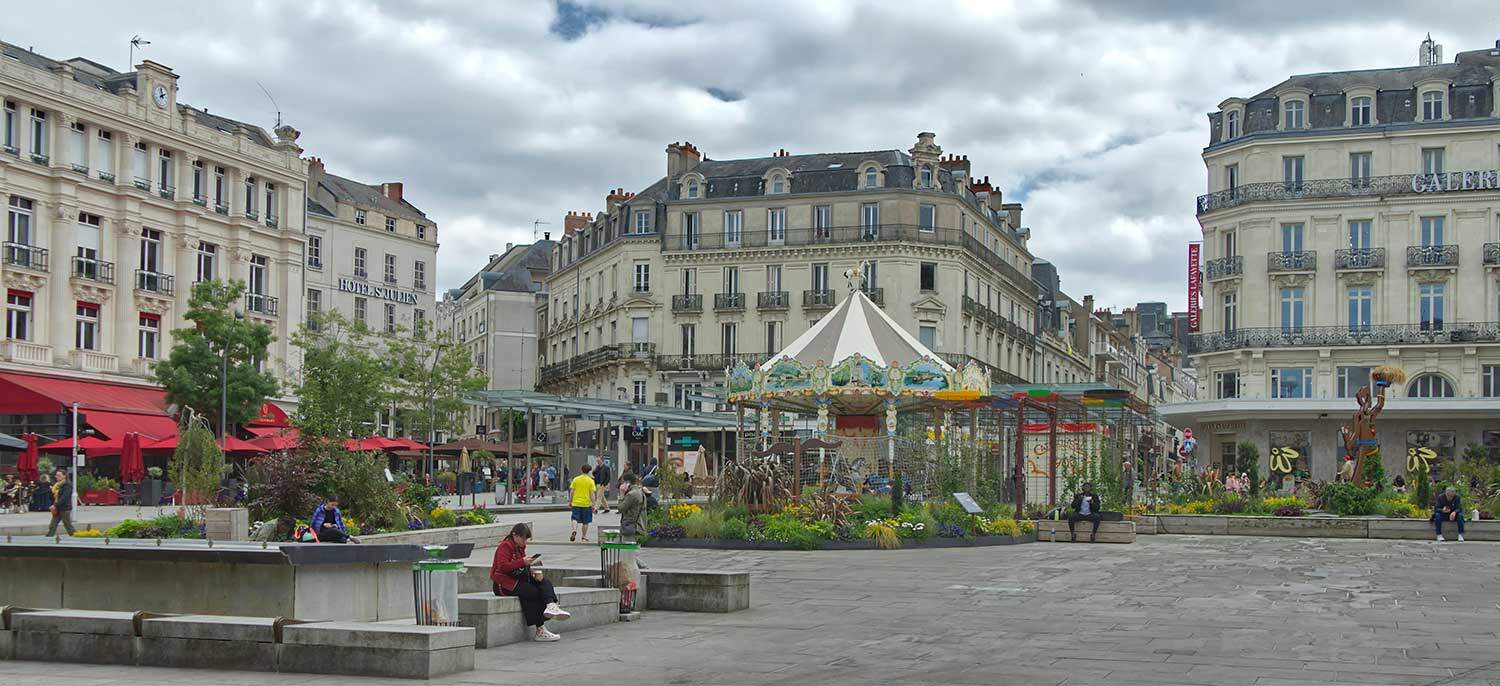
(1085, 506)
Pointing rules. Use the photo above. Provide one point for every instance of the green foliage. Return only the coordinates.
(883, 534)
(197, 465)
(734, 529)
(358, 481)
(1249, 464)
(442, 518)
(1374, 470)
(475, 517)
(346, 380)
(434, 377)
(1229, 504)
(674, 484)
(1394, 506)
(280, 488)
(1108, 482)
(1421, 488)
(1345, 498)
(164, 526)
(898, 494)
(784, 527)
(192, 373)
(153, 472)
(707, 523)
(45, 465)
(419, 497)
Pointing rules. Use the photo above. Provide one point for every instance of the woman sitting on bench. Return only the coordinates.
(1086, 506)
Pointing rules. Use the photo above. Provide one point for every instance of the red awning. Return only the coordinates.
(270, 415)
(269, 431)
(22, 393)
(116, 424)
(92, 446)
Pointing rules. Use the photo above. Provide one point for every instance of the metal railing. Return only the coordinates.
(977, 310)
(1492, 253)
(1429, 333)
(1359, 258)
(1432, 256)
(261, 303)
(773, 300)
(814, 298)
(876, 294)
(93, 270)
(687, 303)
(1224, 267)
(997, 375)
(25, 256)
(1347, 187)
(1292, 261)
(153, 282)
(729, 301)
(710, 362)
(595, 358)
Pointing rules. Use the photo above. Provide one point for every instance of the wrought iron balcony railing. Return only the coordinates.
(91, 269)
(153, 282)
(1359, 258)
(709, 362)
(261, 303)
(815, 298)
(876, 294)
(1429, 333)
(1432, 256)
(594, 358)
(729, 301)
(1292, 261)
(1492, 253)
(773, 300)
(687, 303)
(1224, 267)
(1372, 186)
(25, 256)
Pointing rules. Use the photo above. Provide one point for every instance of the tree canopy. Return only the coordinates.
(193, 372)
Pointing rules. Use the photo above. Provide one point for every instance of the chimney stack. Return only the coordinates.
(546, 235)
(508, 246)
(616, 197)
(314, 173)
(575, 221)
(682, 157)
(391, 190)
(1012, 212)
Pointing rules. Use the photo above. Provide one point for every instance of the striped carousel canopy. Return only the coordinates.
(856, 326)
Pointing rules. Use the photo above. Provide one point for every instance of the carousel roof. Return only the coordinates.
(856, 326)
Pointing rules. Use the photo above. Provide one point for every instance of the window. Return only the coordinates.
(927, 218)
(1489, 383)
(38, 132)
(390, 268)
(1291, 382)
(1232, 125)
(8, 136)
(734, 224)
(1359, 169)
(314, 252)
(1429, 386)
(690, 230)
(1232, 179)
(249, 195)
(776, 224)
(359, 216)
(689, 281)
(1432, 106)
(148, 337)
(870, 273)
(1227, 384)
(822, 221)
(86, 326)
(197, 168)
(140, 165)
(18, 315)
(689, 339)
(685, 396)
(360, 262)
(638, 392)
(872, 178)
(1351, 379)
(1432, 231)
(773, 279)
(1292, 302)
(221, 198)
(928, 276)
(1291, 173)
(314, 306)
(1230, 247)
(164, 169)
(361, 310)
(18, 230)
(1430, 306)
(692, 189)
(419, 275)
(390, 317)
(1359, 235)
(207, 254)
(1291, 238)
(778, 184)
(103, 157)
(773, 336)
(731, 280)
(727, 340)
(1293, 114)
(1432, 161)
(927, 335)
(421, 232)
(642, 277)
(1231, 311)
(927, 176)
(1359, 298)
(150, 259)
(418, 320)
(643, 221)
(390, 224)
(1359, 111)
(259, 272)
(75, 144)
(819, 277)
(869, 220)
(270, 202)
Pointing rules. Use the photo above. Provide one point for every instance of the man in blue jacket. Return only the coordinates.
(328, 524)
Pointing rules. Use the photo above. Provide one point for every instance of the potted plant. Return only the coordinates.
(151, 487)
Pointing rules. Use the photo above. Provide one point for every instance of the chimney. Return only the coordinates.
(781, 152)
(1012, 212)
(681, 157)
(575, 221)
(508, 246)
(981, 186)
(616, 197)
(391, 190)
(546, 235)
(494, 257)
(314, 172)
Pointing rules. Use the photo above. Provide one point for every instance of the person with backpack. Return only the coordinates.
(602, 477)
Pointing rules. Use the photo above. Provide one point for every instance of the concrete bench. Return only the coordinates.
(497, 621)
(405, 651)
(209, 642)
(679, 590)
(93, 636)
(1109, 532)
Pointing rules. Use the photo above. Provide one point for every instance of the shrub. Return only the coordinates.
(1345, 498)
(130, 528)
(358, 480)
(1288, 511)
(883, 534)
(681, 511)
(787, 528)
(105, 483)
(734, 530)
(420, 497)
(1374, 470)
(442, 518)
(1283, 501)
(1229, 504)
(870, 507)
(45, 465)
(1249, 458)
(164, 526)
(667, 532)
(1006, 527)
(474, 517)
(951, 514)
(153, 472)
(898, 495)
(278, 489)
(1398, 508)
(704, 524)
(87, 533)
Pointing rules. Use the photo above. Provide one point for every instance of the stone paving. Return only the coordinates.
(1166, 610)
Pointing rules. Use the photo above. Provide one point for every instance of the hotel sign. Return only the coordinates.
(381, 292)
(1485, 180)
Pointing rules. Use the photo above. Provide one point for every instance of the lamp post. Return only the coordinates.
(437, 354)
(224, 382)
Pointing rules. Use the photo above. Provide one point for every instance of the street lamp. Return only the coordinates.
(437, 353)
(224, 382)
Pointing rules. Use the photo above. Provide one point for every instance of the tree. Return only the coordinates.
(346, 380)
(193, 373)
(436, 376)
(278, 489)
(197, 463)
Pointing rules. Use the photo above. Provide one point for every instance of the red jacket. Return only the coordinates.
(509, 557)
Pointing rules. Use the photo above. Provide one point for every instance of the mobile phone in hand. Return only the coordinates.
(536, 556)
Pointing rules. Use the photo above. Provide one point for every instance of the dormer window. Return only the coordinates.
(692, 189)
(1360, 109)
(927, 176)
(1294, 114)
(1432, 106)
(359, 216)
(778, 184)
(872, 178)
(1232, 125)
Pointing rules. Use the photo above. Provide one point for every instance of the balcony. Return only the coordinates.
(152, 282)
(167, 192)
(1354, 259)
(272, 222)
(1419, 256)
(10, 150)
(90, 269)
(996, 374)
(26, 352)
(639, 352)
(729, 302)
(106, 177)
(687, 304)
(1328, 336)
(710, 362)
(94, 361)
(876, 294)
(143, 184)
(1492, 254)
(817, 298)
(221, 209)
(773, 300)
(40, 159)
(200, 201)
(259, 303)
(1224, 267)
(79, 168)
(1292, 261)
(25, 256)
(1373, 186)
(252, 215)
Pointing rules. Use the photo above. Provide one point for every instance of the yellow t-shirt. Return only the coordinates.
(583, 490)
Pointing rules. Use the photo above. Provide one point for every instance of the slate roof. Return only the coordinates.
(367, 197)
(512, 270)
(1469, 68)
(758, 166)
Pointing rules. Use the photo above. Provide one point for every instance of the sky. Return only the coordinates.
(499, 114)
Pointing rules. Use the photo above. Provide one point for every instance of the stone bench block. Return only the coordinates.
(405, 651)
(209, 642)
(91, 636)
(1298, 527)
(496, 620)
(697, 590)
(1109, 532)
(1192, 525)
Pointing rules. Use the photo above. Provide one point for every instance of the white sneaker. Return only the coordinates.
(1460, 538)
(1440, 538)
(542, 635)
(555, 612)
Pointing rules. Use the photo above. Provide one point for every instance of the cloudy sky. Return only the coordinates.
(497, 114)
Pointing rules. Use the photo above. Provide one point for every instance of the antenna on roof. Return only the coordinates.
(135, 42)
(534, 228)
(273, 102)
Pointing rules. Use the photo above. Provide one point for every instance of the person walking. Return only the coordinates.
(582, 488)
(62, 503)
(514, 574)
(1449, 508)
(1086, 506)
(602, 477)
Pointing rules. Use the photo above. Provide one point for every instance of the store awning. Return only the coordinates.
(114, 425)
(9, 442)
(22, 393)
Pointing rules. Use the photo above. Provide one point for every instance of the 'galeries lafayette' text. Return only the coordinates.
(1456, 181)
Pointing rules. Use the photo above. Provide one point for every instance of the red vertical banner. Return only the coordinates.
(1194, 285)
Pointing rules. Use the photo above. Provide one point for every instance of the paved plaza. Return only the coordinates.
(1167, 610)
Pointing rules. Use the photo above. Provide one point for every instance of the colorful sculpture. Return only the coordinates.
(1360, 443)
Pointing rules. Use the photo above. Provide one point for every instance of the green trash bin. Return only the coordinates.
(435, 587)
(619, 562)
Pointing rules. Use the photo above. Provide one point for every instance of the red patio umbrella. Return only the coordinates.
(92, 446)
(277, 443)
(132, 464)
(26, 464)
(407, 444)
(233, 447)
(374, 443)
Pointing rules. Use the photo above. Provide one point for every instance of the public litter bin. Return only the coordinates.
(435, 587)
(619, 561)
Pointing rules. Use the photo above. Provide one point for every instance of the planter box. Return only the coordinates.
(857, 544)
(104, 497)
(1319, 527)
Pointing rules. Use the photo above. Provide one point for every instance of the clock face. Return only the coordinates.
(160, 95)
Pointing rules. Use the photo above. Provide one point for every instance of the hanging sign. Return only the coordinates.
(1194, 285)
